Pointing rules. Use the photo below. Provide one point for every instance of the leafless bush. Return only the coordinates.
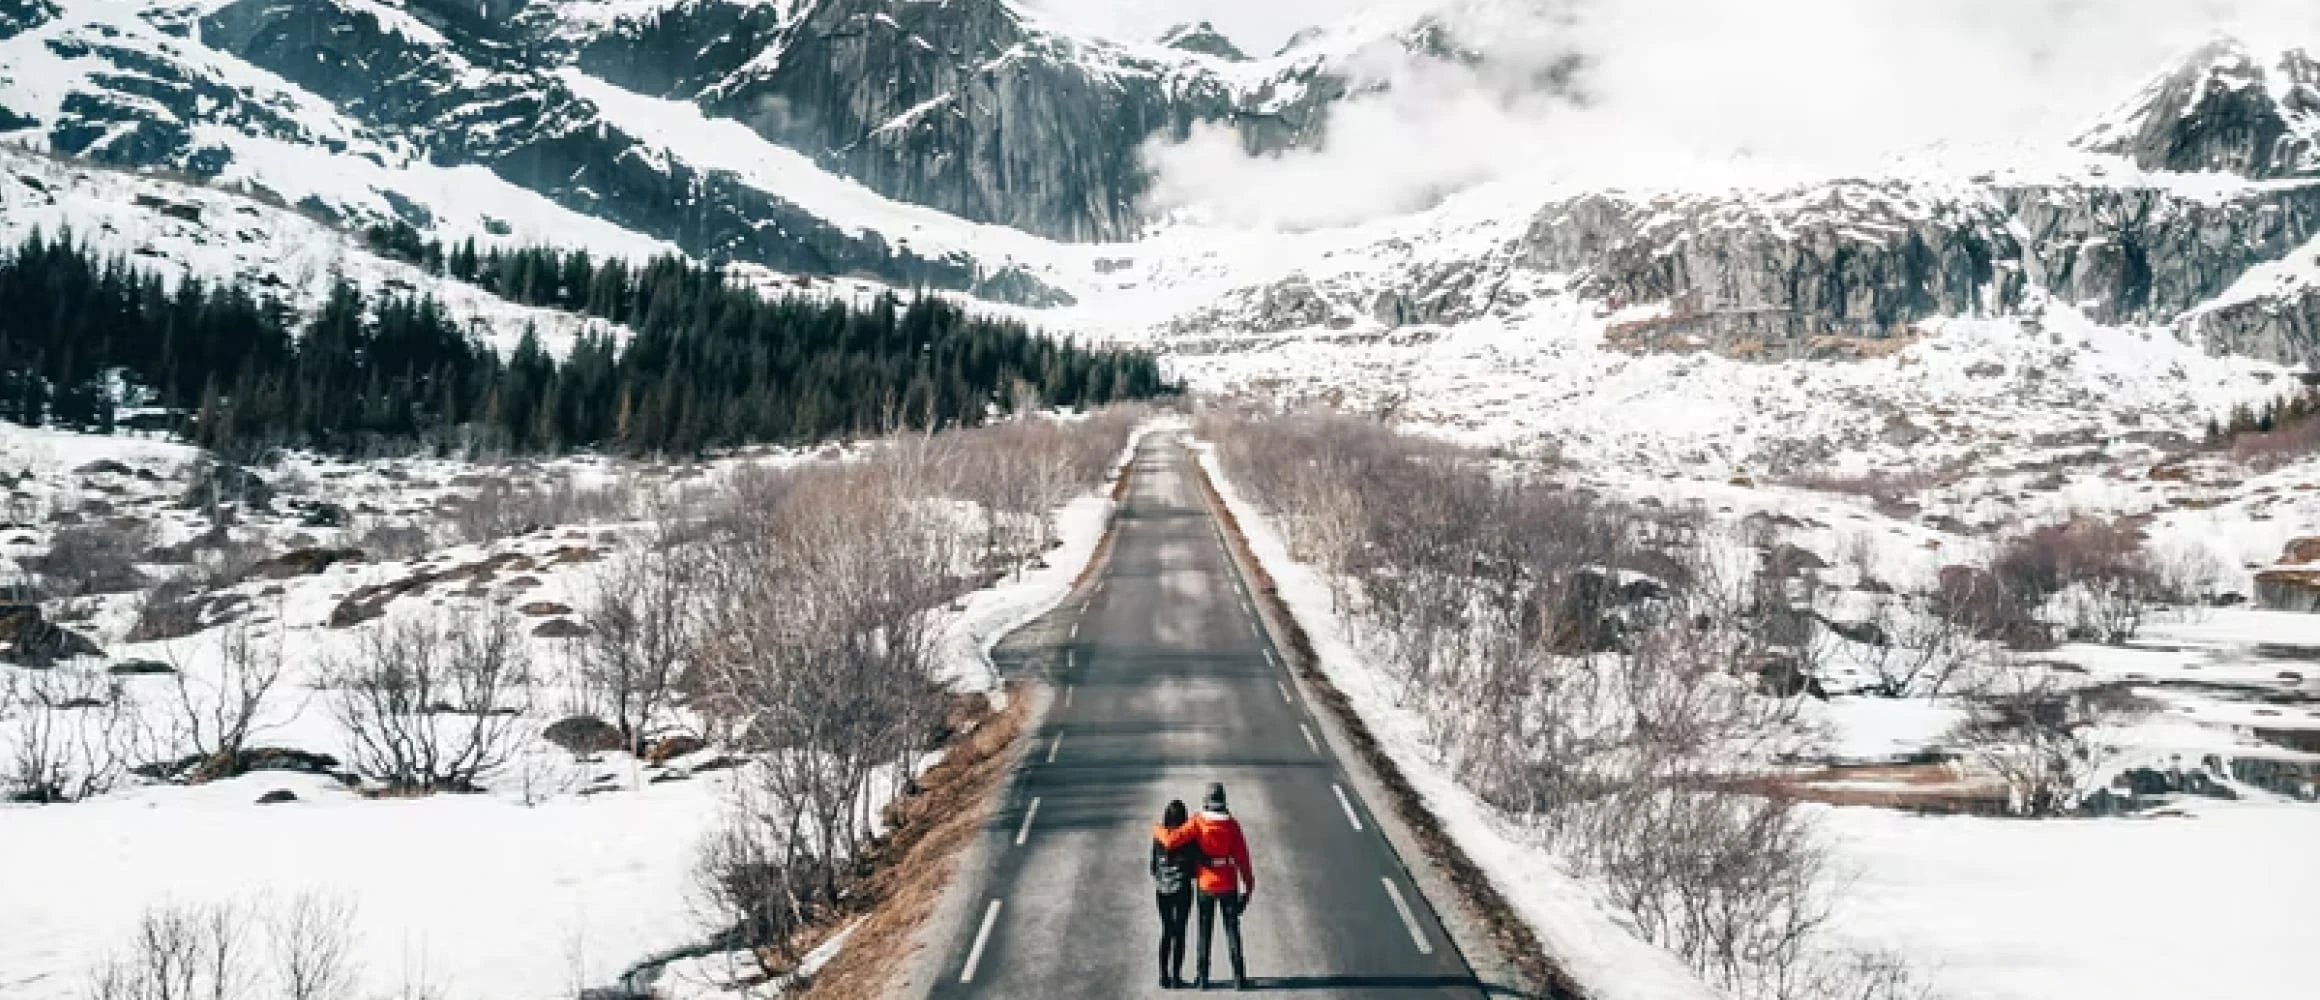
(170, 610)
(821, 660)
(1851, 975)
(311, 943)
(644, 619)
(2040, 739)
(70, 737)
(182, 952)
(433, 706)
(388, 540)
(1916, 649)
(759, 880)
(499, 509)
(2102, 565)
(210, 722)
(1587, 667)
(94, 558)
(1884, 487)
(1727, 881)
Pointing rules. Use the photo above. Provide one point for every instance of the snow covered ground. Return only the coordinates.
(2196, 898)
(2209, 903)
(560, 876)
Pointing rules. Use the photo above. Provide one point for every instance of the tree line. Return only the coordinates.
(89, 342)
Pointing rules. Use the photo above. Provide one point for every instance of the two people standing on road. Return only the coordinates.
(1212, 847)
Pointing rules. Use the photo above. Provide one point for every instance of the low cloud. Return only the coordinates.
(1698, 92)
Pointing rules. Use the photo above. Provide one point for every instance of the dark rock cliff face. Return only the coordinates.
(682, 50)
(487, 103)
(2283, 328)
(963, 107)
(1857, 260)
(2224, 109)
(1791, 274)
(2140, 255)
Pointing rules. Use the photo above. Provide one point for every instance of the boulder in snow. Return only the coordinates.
(29, 639)
(583, 734)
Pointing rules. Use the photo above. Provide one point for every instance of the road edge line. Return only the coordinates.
(1489, 935)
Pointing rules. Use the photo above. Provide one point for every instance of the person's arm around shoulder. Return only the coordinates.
(1171, 838)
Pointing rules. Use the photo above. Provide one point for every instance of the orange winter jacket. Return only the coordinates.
(1224, 866)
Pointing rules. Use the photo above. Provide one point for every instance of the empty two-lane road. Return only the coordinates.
(1166, 682)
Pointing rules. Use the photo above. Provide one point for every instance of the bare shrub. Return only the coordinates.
(1852, 975)
(181, 953)
(643, 617)
(1922, 650)
(210, 722)
(70, 737)
(2040, 739)
(95, 558)
(311, 945)
(820, 659)
(433, 706)
(304, 951)
(498, 509)
(170, 610)
(2111, 580)
(392, 540)
(1727, 881)
(1587, 667)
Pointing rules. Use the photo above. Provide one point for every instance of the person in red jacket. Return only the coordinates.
(1225, 880)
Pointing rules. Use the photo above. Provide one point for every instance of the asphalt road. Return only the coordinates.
(1165, 683)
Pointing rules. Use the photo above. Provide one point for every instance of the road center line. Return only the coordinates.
(1350, 816)
(1075, 630)
(1409, 919)
(1284, 692)
(1054, 748)
(982, 937)
(1269, 661)
(1308, 731)
(1067, 696)
(1253, 633)
(1031, 813)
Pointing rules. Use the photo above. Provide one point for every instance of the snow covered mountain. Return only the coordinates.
(437, 111)
(974, 147)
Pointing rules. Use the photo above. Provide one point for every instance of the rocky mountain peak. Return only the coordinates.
(2225, 107)
(1203, 38)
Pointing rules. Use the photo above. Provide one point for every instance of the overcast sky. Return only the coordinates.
(1684, 92)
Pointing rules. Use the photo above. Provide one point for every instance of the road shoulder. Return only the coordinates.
(1495, 942)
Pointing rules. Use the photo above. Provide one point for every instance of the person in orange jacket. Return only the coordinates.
(1225, 880)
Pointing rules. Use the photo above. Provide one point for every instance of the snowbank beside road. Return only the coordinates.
(990, 614)
(1579, 930)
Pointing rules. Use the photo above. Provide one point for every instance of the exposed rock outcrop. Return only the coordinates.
(2226, 108)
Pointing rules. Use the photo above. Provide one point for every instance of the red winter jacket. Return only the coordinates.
(1224, 867)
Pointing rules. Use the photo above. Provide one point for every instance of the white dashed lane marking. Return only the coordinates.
(1033, 813)
(982, 937)
(1309, 741)
(1409, 919)
(1350, 815)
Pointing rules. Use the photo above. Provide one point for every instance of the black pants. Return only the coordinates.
(1231, 904)
(1175, 912)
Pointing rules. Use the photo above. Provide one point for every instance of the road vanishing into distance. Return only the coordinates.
(1165, 681)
